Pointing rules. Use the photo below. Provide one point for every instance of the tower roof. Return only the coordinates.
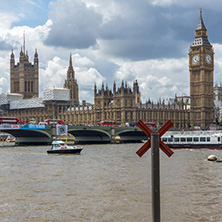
(70, 60)
(200, 33)
(70, 71)
(200, 25)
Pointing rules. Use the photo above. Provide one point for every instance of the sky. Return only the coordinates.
(109, 40)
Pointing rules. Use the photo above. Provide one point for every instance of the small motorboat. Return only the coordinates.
(59, 147)
(10, 139)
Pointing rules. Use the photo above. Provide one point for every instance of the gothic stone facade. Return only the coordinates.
(24, 76)
(122, 105)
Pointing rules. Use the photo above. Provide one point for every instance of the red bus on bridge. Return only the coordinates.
(9, 120)
(12, 120)
(107, 123)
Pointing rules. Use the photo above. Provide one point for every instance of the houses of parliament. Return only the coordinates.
(121, 103)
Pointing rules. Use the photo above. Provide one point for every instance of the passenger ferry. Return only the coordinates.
(193, 139)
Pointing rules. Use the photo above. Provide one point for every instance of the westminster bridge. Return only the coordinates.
(31, 134)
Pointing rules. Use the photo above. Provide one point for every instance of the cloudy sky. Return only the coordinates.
(109, 40)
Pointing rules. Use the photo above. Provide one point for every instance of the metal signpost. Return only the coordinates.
(155, 143)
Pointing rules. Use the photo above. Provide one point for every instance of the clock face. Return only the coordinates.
(208, 59)
(195, 59)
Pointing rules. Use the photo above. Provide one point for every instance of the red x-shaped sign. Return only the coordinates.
(148, 132)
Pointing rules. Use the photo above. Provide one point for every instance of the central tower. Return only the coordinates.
(201, 66)
(71, 84)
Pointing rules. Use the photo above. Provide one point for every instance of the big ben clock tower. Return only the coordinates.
(201, 66)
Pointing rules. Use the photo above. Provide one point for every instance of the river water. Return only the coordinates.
(107, 183)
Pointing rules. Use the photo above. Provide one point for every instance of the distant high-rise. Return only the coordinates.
(24, 76)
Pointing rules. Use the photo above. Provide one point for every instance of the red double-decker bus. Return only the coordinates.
(54, 121)
(107, 123)
(9, 120)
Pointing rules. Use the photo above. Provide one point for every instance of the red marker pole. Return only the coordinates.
(155, 143)
(155, 162)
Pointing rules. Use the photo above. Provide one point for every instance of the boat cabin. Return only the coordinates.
(58, 144)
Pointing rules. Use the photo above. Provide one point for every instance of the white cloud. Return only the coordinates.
(4, 73)
(107, 9)
(157, 78)
(88, 77)
(54, 74)
(163, 2)
(3, 85)
(6, 21)
(218, 63)
(34, 4)
(82, 61)
(86, 94)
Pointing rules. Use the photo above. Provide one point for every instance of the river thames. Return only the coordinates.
(107, 183)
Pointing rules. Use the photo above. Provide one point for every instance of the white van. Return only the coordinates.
(43, 123)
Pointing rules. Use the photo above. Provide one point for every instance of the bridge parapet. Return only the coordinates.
(32, 134)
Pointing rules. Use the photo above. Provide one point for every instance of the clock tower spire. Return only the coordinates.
(201, 66)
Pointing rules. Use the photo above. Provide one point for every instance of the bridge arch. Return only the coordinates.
(29, 137)
(89, 135)
(131, 135)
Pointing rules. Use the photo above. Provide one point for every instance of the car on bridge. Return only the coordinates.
(54, 121)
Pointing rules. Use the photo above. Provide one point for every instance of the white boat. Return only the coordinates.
(59, 147)
(193, 139)
(10, 139)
